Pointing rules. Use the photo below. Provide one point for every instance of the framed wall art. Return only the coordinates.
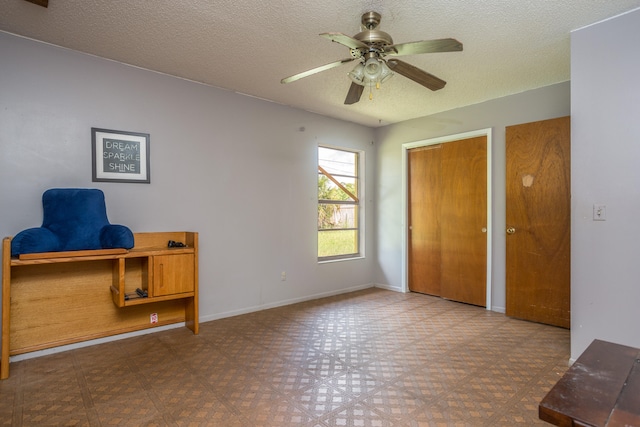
(119, 156)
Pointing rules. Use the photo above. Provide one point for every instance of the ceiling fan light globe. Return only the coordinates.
(357, 74)
(386, 72)
(372, 69)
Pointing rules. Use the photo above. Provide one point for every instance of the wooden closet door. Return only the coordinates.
(464, 220)
(539, 221)
(448, 220)
(424, 219)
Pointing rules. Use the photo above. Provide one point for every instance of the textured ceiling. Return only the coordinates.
(510, 46)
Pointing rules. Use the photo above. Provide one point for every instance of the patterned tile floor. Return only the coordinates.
(368, 358)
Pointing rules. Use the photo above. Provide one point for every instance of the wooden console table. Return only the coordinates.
(60, 298)
(602, 388)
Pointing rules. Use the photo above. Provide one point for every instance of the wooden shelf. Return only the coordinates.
(159, 251)
(68, 254)
(68, 297)
(79, 256)
(146, 300)
(16, 262)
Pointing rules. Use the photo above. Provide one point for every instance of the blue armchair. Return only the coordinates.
(73, 219)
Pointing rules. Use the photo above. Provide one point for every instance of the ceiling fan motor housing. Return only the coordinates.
(376, 40)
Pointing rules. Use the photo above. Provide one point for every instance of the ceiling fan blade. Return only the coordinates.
(345, 40)
(315, 70)
(426, 46)
(416, 74)
(354, 94)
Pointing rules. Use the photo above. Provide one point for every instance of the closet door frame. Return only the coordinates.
(405, 200)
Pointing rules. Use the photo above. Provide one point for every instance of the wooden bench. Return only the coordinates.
(602, 388)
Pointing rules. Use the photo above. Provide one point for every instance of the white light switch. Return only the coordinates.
(599, 212)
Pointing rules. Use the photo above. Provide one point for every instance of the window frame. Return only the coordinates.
(355, 201)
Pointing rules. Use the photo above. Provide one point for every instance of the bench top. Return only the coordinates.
(602, 388)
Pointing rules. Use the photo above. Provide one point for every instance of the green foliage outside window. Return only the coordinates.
(328, 211)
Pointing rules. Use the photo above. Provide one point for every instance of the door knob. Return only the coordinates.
(511, 230)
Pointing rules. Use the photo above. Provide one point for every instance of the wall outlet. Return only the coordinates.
(283, 276)
(153, 318)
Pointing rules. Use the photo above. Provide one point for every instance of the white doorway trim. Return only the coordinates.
(405, 197)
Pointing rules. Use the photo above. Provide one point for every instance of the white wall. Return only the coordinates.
(605, 126)
(240, 171)
(544, 103)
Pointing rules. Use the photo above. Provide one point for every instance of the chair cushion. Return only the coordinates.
(76, 216)
(34, 240)
(73, 219)
(116, 236)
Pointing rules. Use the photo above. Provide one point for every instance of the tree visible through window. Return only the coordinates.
(338, 203)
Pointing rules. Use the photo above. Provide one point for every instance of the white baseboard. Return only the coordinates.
(261, 307)
(63, 348)
(388, 287)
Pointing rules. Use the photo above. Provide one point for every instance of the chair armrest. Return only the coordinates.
(116, 236)
(34, 240)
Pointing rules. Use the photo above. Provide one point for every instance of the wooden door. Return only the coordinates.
(464, 221)
(424, 219)
(448, 220)
(538, 221)
(173, 274)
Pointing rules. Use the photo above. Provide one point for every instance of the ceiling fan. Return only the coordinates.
(370, 48)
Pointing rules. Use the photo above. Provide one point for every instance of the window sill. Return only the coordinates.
(328, 261)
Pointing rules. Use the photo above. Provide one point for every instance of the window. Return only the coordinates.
(338, 204)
